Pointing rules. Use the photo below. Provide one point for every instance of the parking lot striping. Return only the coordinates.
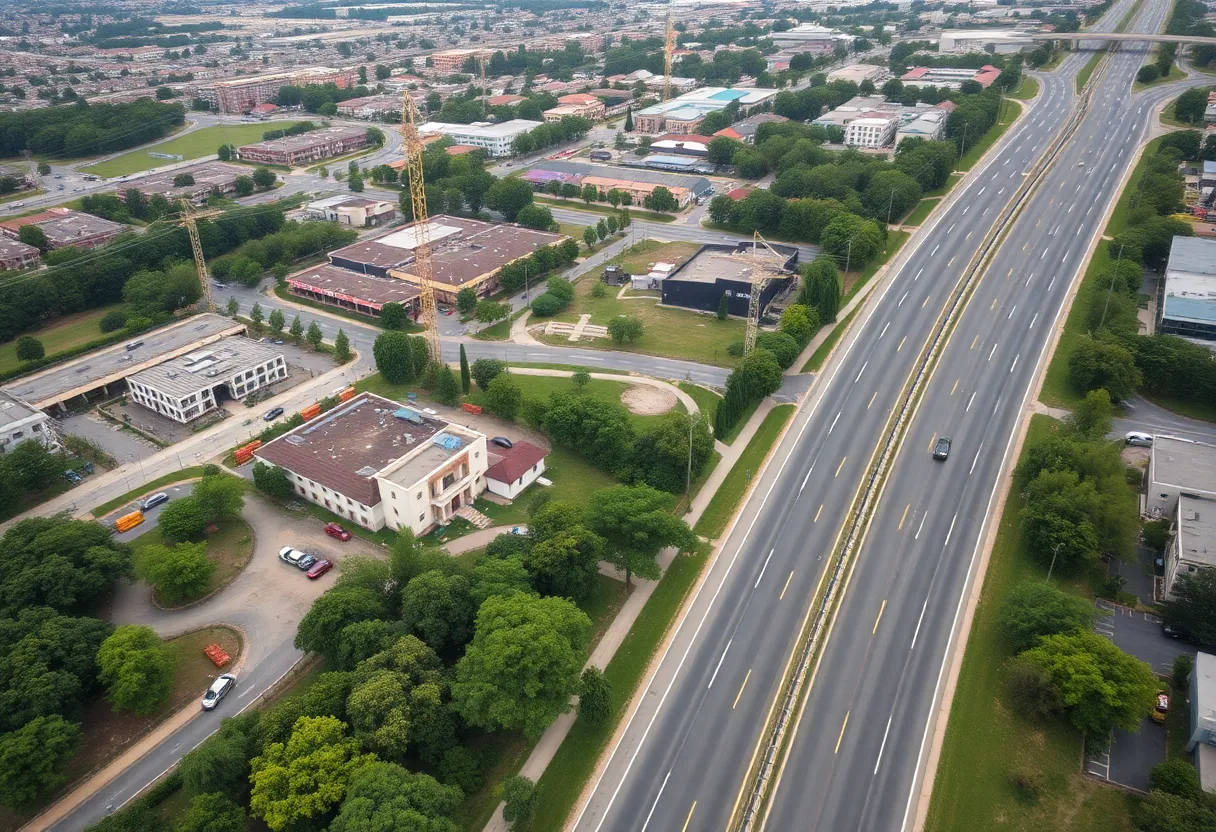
(905, 515)
(787, 585)
(878, 762)
(689, 818)
(816, 520)
(876, 620)
(763, 568)
(841, 465)
(872, 398)
(719, 667)
(739, 695)
(842, 727)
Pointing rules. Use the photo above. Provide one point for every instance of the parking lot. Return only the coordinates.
(1131, 757)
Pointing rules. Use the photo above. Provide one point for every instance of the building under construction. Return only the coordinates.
(719, 269)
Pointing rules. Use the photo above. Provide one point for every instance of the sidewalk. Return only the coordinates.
(545, 748)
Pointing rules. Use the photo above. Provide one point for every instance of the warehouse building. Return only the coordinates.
(65, 227)
(683, 114)
(577, 172)
(381, 464)
(495, 139)
(208, 176)
(716, 270)
(1189, 307)
(190, 385)
(350, 290)
(294, 151)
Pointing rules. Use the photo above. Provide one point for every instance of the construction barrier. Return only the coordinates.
(347, 394)
(128, 521)
(311, 412)
(245, 453)
(217, 655)
(472, 408)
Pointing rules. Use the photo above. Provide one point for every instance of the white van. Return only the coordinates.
(1135, 437)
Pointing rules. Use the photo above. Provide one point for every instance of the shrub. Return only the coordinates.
(1177, 777)
(547, 305)
(113, 321)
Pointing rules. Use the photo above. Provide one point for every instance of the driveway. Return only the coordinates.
(267, 600)
(1131, 757)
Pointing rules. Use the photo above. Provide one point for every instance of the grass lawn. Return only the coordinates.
(952, 180)
(706, 399)
(1009, 111)
(230, 548)
(724, 503)
(500, 331)
(854, 281)
(986, 742)
(598, 389)
(1169, 115)
(821, 353)
(63, 334)
(1028, 89)
(921, 212)
(1088, 69)
(1057, 391)
(192, 145)
(635, 213)
(733, 433)
(193, 472)
(1175, 74)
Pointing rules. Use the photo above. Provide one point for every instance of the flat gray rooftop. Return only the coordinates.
(205, 367)
(13, 410)
(1197, 530)
(1187, 465)
(710, 265)
(61, 382)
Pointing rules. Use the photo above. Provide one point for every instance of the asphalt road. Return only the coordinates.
(682, 757)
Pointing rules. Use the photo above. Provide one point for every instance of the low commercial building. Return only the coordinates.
(513, 469)
(876, 120)
(65, 227)
(690, 145)
(349, 290)
(637, 180)
(208, 176)
(352, 210)
(188, 386)
(745, 130)
(378, 463)
(684, 113)
(15, 254)
(20, 175)
(1176, 466)
(809, 37)
(579, 105)
(949, 77)
(1201, 739)
(856, 73)
(1189, 307)
(638, 191)
(371, 107)
(718, 269)
(293, 151)
(992, 41)
(931, 126)
(873, 129)
(20, 422)
(494, 138)
(1192, 544)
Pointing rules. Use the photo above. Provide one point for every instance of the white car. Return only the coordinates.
(1135, 437)
(218, 690)
(298, 559)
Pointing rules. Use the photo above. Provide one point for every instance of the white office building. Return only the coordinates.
(993, 41)
(494, 138)
(19, 422)
(875, 129)
(190, 385)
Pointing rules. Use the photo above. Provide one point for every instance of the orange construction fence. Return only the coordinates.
(347, 394)
(472, 408)
(311, 412)
(217, 655)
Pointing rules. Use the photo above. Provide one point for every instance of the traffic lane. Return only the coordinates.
(152, 515)
(1143, 415)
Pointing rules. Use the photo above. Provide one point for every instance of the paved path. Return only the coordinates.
(478, 539)
(689, 402)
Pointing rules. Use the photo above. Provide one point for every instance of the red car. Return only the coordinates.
(318, 569)
(334, 530)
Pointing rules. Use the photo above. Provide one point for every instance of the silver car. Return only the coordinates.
(218, 690)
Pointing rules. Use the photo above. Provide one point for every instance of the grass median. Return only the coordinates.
(987, 744)
(1010, 110)
(921, 212)
(1088, 70)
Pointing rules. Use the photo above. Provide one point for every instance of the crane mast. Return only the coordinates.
(669, 45)
(412, 145)
(189, 220)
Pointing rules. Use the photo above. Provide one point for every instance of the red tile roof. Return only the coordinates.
(730, 133)
(514, 462)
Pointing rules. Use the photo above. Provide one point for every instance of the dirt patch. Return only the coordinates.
(645, 400)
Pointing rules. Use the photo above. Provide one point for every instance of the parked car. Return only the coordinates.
(218, 690)
(942, 449)
(71, 476)
(502, 442)
(1135, 437)
(334, 530)
(319, 568)
(298, 559)
(1174, 632)
(273, 413)
(278, 341)
(153, 501)
(1163, 707)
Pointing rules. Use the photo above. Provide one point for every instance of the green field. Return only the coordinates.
(601, 390)
(917, 216)
(1028, 89)
(64, 334)
(1088, 69)
(192, 145)
(1010, 110)
(987, 743)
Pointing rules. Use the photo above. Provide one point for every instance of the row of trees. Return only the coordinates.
(759, 373)
(279, 250)
(87, 129)
(570, 128)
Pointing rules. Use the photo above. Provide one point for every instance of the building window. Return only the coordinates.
(421, 518)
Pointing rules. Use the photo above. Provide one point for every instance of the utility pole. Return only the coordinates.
(890, 203)
(1111, 287)
(1054, 552)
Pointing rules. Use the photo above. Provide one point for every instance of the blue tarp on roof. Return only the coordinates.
(729, 95)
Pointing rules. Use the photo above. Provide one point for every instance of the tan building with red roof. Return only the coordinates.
(513, 469)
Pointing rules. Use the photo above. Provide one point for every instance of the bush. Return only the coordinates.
(113, 321)
(595, 697)
(29, 348)
(272, 480)
(1180, 675)
(1177, 777)
(485, 370)
(781, 345)
(547, 305)
(461, 767)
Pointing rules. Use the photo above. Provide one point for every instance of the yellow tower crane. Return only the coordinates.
(189, 220)
(422, 253)
(669, 45)
(763, 270)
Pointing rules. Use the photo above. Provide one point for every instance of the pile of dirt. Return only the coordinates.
(645, 400)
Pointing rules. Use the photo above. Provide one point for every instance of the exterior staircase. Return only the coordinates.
(474, 516)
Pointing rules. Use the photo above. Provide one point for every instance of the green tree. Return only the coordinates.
(635, 522)
(136, 669)
(29, 348)
(272, 481)
(234, 307)
(601, 229)
(321, 628)
(277, 321)
(221, 762)
(589, 193)
(800, 323)
(493, 690)
(589, 237)
(1034, 609)
(224, 152)
(1099, 686)
(723, 307)
(661, 199)
(255, 315)
(489, 311)
(314, 335)
(821, 288)
(264, 178)
(466, 300)
(1099, 363)
(1091, 418)
(32, 467)
(220, 497)
(1180, 675)
(306, 777)
(519, 795)
(625, 328)
(1163, 812)
(180, 573)
(384, 796)
(508, 196)
(852, 240)
(581, 379)
(182, 519)
(32, 759)
(628, 119)
(759, 373)
(342, 352)
(595, 697)
(485, 370)
(498, 576)
(211, 813)
(504, 397)
(1192, 609)
(1178, 777)
(243, 185)
(296, 331)
(444, 386)
(465, 377)
(439, 610)
(564, 562)
(32, 235)
(393, 357)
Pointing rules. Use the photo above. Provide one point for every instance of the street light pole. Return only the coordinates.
(848, 258)
(1054, 552)
(692, 423)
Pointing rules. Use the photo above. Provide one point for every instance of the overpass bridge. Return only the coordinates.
(1193, 40)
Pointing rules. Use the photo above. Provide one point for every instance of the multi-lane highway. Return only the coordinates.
(853, 761)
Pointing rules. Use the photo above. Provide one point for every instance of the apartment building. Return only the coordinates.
(293, 151)
(452, 60)
(873, 129)
(240, 95)
(190, 385)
